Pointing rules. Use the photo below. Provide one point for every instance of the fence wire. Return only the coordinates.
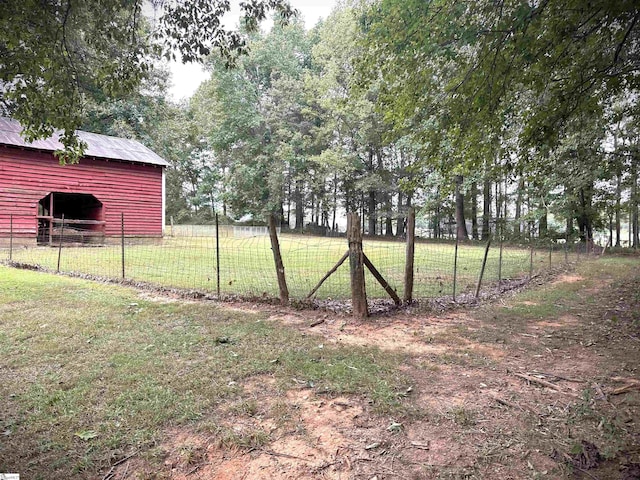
(188, 257)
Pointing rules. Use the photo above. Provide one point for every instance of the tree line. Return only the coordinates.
(508, 117)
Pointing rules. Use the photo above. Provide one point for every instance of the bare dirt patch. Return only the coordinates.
(567, 278)
(486, 401)
(561, 322)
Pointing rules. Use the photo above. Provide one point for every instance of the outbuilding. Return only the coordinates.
(116, 178)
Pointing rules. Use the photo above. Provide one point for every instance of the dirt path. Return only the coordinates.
(532, 386)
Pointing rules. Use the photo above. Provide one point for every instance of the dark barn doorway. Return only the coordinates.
(83, 218)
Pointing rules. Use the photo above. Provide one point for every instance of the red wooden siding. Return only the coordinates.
(26, 176)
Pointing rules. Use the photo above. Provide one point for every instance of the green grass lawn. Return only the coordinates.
(91, 372)
(247, 266)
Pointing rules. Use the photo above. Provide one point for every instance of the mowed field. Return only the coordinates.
(247, 265)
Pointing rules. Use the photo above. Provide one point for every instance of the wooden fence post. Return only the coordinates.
(11, 237)
(217, 253)
(356, 263)
(411, 246)
(455, 268)
(275, 247)
(122, 240)
(500, 257)
(60, 244)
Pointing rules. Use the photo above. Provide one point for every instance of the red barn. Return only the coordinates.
(116, 176)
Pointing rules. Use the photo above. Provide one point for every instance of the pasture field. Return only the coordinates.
(247, 265)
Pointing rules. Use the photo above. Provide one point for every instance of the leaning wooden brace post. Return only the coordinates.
(378, 276)
(411, 246)
(275, 247)
(328, 274)
(356, 263)
(484, 265)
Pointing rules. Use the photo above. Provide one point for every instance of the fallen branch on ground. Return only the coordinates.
(559, 377)
(631, 384)
(514, 405)
(544, 383)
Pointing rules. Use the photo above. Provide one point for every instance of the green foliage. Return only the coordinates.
(56, 54)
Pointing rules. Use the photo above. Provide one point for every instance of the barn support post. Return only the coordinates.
(482, 269)
(60, 243)
(411, 246)
(11, 237)
(275, 247)
(217, 253)
(356, 263)
(122, 240)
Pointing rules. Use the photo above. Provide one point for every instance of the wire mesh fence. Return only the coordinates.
(240, 262)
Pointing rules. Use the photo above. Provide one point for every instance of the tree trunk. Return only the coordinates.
(486, 209)
(334, 227)
(498, 199)
(544, 224)
(610, 229)
(372, 213)
(283, 220)
(518, 214)
(388, 220)
(617, 208)
(461, 226)
(400, 221)
(436, 218)
(474, 211)
(584, 219)
(634, 204)
(530, 233)
(299, 206)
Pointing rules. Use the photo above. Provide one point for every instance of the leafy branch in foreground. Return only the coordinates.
(56, 54)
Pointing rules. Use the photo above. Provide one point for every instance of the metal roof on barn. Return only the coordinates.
(99, 146)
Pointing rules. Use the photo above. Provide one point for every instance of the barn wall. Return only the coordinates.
(27, 176)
